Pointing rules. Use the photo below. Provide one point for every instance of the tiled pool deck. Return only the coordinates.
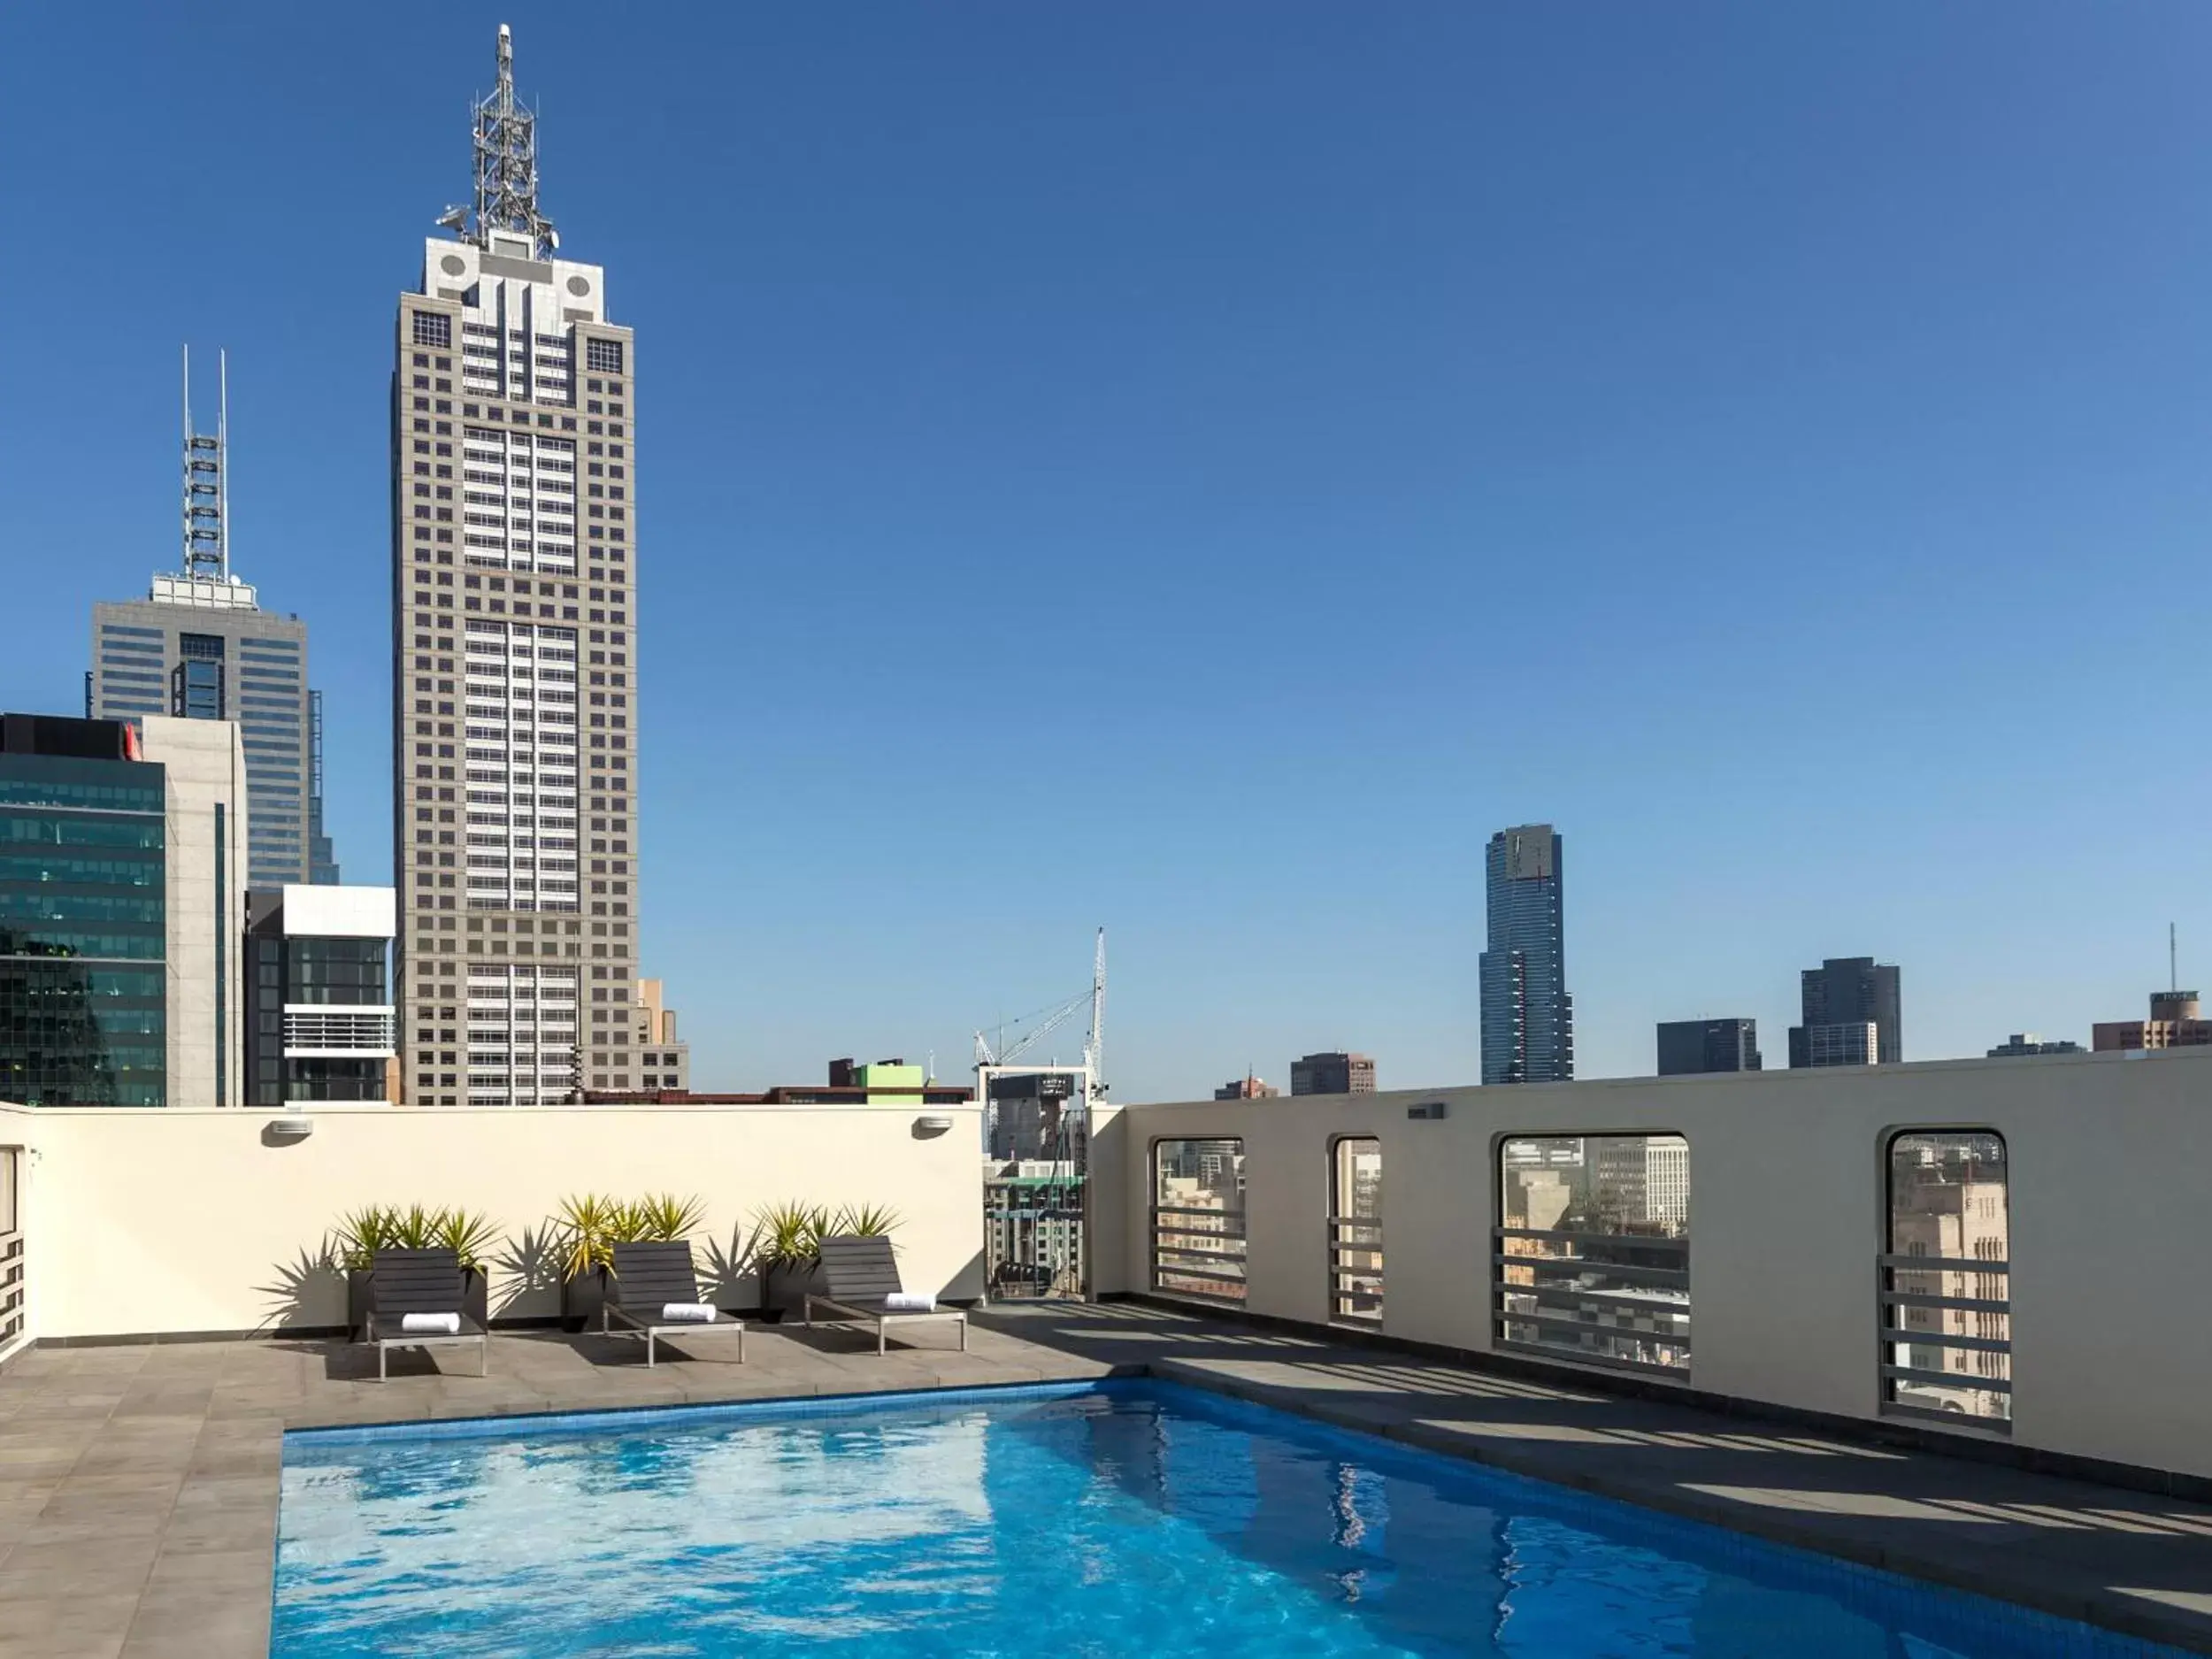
(138, 1485)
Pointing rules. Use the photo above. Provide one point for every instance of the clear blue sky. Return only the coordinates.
(1201, 469)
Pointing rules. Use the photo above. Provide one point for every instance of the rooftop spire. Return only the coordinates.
(207, 483)
(506, 135)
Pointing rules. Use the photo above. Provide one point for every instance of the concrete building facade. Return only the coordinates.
(203, 767)
(514, 568)
(2026, 1042)
(1527, 1016)
(2176, 1021)
(1248, 1086)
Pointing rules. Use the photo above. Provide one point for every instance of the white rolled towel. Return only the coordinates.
(430, 1324)
(909, 1301)
(688, 1312)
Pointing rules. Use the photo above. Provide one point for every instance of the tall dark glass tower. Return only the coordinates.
(1528, 1023)
(1851, 992)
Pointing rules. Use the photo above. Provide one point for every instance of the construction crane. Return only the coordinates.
(1048, 1021)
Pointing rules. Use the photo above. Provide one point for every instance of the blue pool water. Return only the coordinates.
(1118, 1518)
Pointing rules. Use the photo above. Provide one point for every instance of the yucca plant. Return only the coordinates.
(789, 1233)
(664, 1217)
(416, 1228)
(587, 1227)
(866, 1221)
(469, 1235)
(361, 1234)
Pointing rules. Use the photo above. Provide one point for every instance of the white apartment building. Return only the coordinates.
(513, 466)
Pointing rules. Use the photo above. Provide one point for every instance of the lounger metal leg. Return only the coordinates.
(649, 1350)
(740, 1345)
(964, 1333)
(883, 1332)
(483, 1356)
(381, 1351)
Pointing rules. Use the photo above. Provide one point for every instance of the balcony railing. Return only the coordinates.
(1355, 1270)
(1612, 1299)
(1198, 1251)
(14, 1286)
(1932, 1365)
(335, 1029)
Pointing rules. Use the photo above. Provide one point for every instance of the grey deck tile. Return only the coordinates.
(96, 1564)
(91, 1626)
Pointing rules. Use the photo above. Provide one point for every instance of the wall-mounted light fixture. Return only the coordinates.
(930, 1127)
(287, 1127)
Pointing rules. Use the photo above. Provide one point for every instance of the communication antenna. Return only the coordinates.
(506, 145)
(2173, 971)
(207, 482)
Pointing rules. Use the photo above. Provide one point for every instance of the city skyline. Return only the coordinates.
(1696, 888)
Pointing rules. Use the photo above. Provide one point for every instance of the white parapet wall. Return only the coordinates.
(2110, 1197)
(156, 1222)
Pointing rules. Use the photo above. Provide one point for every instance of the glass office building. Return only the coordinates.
(83, 921)
(1528, 1026)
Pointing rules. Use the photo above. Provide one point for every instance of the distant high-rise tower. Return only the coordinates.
(1332, 1072)
(1528, 1026)
(515, 681)
(1846, 993)
(198, 646)
(1707, 1045)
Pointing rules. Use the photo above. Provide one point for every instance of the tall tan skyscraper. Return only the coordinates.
(513, 583)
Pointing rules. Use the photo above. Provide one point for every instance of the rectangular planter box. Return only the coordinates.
(581, 1299)
(783, 1287)
(475, 1298)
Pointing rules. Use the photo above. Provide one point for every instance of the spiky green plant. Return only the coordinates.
(361, 1234)
(866, 1221)
(664, 1216)
(586, 1231)
(469, 1235)
(789, 1233)
(358, 1238)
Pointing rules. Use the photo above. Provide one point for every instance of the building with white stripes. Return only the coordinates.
(514, 570)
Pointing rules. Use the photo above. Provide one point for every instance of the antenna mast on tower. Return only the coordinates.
(207, 483)
(506, 135)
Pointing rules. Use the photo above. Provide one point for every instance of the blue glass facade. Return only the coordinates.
(83, 996)
(1528, 1034)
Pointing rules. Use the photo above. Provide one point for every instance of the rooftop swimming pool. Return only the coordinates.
(1111, 1518)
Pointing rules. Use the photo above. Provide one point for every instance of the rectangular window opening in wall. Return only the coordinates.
(433, 329)
(1946, 1281)
(604, 357)
(1198, 1219)
(1355, 1238)
(1592, 1260)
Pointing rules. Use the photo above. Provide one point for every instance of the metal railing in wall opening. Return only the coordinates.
(1198, 1251)
(1355, 1270)
(1617, 1300)
(14, 1274)
(1198, 1247)
(1354, 1225)
(1592, 1263)
(1947, 1339)
(1944, 1283)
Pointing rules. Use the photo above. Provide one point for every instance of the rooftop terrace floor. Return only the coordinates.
(138, 1484)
